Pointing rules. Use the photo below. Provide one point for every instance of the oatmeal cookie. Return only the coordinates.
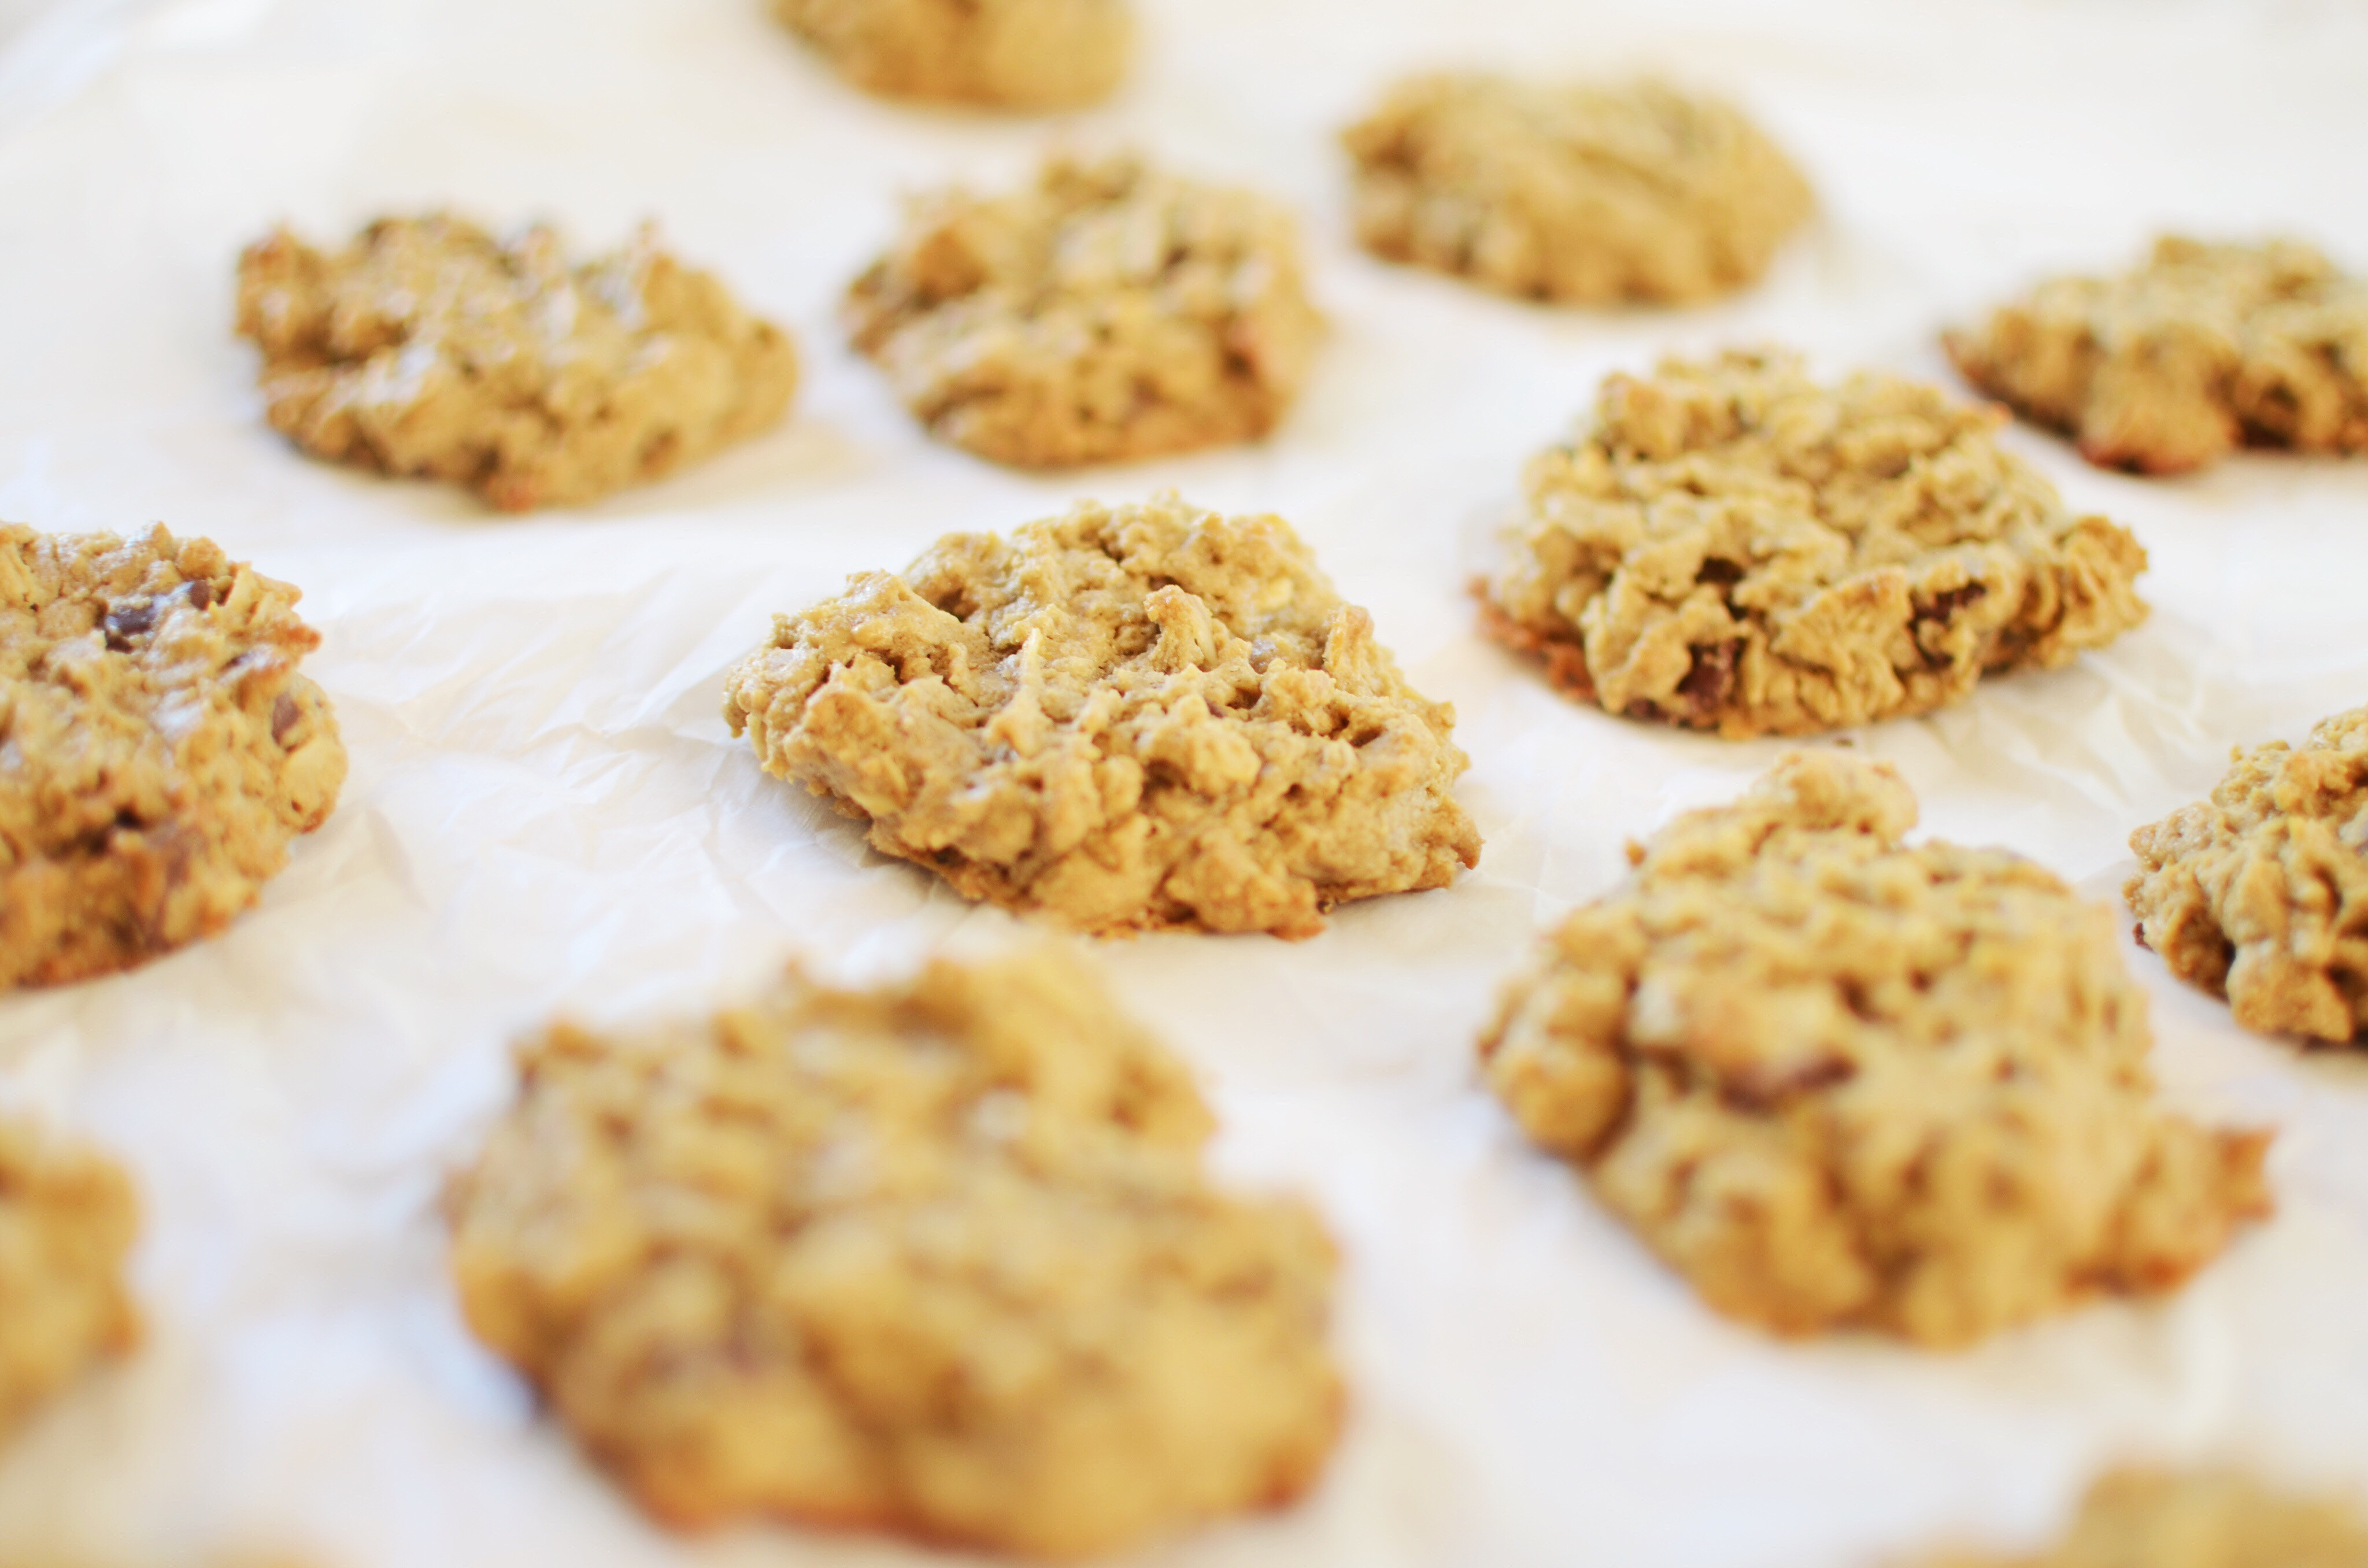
(2139, 1519)
(2260, 893)
(938, 1259)
(1838, 1081)
(160, 749)
(1731, 546)
(429, 346)
(1582, 193)
(1108, 312)
(1021, 54)
(2202, 349)
(1128, 718)
(67, 1223)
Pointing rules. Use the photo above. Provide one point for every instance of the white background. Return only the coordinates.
(545, 809)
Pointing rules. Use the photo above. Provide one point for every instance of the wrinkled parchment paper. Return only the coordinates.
(546, 810)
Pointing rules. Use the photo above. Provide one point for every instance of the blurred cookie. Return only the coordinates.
(1732, 546)
(937, 1259)
(161, 750)
(1128, 718)
(2204, 349)
(67, 1217)
(1021, 54)
(1106, 313)
(2149, 1519)
(2260, 893)
(1837, 1082)
(1580, 193)
(429, 346)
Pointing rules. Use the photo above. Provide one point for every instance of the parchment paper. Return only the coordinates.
(546, 812)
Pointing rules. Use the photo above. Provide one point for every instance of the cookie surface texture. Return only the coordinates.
(1021, 54)
(937, 1259)
(2260, 893)
(1128, 718)
(1579, 193)
(161, 749)
(2139, 1519)
(1108, 312)
(1732, 546)
(431, 347)
(1837, 1081)
(67, 1223)
(2204, 348)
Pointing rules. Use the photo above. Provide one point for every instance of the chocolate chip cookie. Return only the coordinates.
(1127, 717)
(430, 346)
(67, 1217)
(161, 748)
(1107, 312)
(1836, 1081)
(937, 1259)
(2169, 367)
(1580, 193)
(1019, 54)
(1732, 546)
(2260, 893)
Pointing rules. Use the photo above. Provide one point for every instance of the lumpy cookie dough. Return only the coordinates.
(2260, 893)
(429, 346)
(2204, 349)
(1128, 718)
(1107, 312)
(67, 1217)
(1580, 193)
(1838, 1081)
(1731, 546)
(1019, 54)
(936, 1258)
(160, 747)
(2139, 1519)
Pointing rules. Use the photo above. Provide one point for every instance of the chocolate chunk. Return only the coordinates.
(1707, 683)
(127, 620)
(284, 714)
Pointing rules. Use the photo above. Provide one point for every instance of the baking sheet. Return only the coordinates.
(545, 809)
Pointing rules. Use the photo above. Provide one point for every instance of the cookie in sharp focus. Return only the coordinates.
(1107, 311)
(1840, 1081)
(1731, 545)
(1127, 718)
(430, 346)
(67, 1217)
(161, 749)
(936, 1258)
(2174, 364)
(1015, 54)
(2260, 893)
(1577, 193)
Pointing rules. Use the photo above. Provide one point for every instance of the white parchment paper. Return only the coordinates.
(545, 809)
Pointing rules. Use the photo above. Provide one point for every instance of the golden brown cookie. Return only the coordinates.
(67, 1217)
(1127, 717)
(2204, 349)
(1731, 546)
(937, 1259)
(2260, 893)
(161, 748)
(429, 346)
(2149, 1519)
(1021, 54)
(1581, 193)
(1104, 313)
(1837, 1082)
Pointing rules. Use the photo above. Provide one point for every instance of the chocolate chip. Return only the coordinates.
(202, 594)
(1720, 574)
(284, 714)
(127, 621)
(1707, 683)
